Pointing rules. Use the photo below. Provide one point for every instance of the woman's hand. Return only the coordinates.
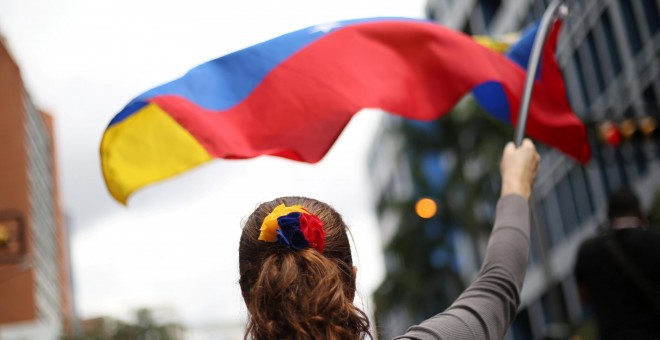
(518, 168)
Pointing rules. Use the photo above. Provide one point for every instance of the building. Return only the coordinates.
(609, 51)
(35, 284)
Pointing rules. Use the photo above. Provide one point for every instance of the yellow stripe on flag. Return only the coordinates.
(499, 44)
(146, 147)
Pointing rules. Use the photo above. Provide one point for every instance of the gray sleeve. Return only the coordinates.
(488, 306)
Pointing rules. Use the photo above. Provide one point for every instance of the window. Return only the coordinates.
(613, 165)
(612, 46)
(430, 13)
(631, 26)
(640, 159)
(635, 161)
(581, 78)
(467, 29)
(603, 159)
(596, 62)
(489, 9)
(582, 193)
(553, 219)
(567, 206)
(652, 17)
(650, 99)
(594, 175)
(539, 224)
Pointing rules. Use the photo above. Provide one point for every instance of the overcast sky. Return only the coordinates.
(175, 245)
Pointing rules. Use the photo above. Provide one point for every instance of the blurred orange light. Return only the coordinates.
(627, 128)
(647, 126)
(426, 208)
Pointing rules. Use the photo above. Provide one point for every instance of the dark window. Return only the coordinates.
(631, 26)
(612, 46)
(581, 78)
(652, 16)
(553, 220)
(430, 13)
(650, 99)
(649, 95)
(629, 113)
(581, 193)
(539, 223)
(614, 166)
(567, 206)
(640, 159)
(605, 158)
(596, 62)
(489, 9)
(635, 161)
(621, 161)
(467, 29)
(594, 174)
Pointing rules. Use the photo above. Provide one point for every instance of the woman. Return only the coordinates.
(298, 279)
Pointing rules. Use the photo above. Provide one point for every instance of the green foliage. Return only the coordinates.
(473, 141)
(145, 327)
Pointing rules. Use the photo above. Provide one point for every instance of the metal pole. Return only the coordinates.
(533, 65)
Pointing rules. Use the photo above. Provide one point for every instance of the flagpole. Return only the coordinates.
(556, 8)
(542, 33)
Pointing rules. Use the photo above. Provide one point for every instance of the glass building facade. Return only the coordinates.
(609, 52)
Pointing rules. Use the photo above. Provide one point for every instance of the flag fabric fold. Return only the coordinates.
(292, 96)
(551, 119)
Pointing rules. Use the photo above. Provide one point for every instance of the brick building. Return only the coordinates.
(35, 284)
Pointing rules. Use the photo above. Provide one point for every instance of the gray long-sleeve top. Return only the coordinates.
(488, 306)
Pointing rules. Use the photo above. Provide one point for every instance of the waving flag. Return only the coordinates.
(293, 95)
(548, 98)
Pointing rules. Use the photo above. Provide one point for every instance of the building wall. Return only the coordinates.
(609, 51)
(35, 288)
(65, 284)
(17, 297)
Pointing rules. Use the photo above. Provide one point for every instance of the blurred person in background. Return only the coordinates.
(618, 273)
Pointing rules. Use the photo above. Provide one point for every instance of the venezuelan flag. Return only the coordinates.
(292, 96)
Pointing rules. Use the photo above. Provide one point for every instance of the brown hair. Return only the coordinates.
(299, 294)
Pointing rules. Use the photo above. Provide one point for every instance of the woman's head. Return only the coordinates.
(299, 294)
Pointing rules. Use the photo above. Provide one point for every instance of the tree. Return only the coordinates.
(145, 327)
(421, 278)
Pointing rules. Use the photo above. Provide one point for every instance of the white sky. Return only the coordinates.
(176, 245)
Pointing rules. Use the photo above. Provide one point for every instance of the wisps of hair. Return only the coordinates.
(300, 294)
